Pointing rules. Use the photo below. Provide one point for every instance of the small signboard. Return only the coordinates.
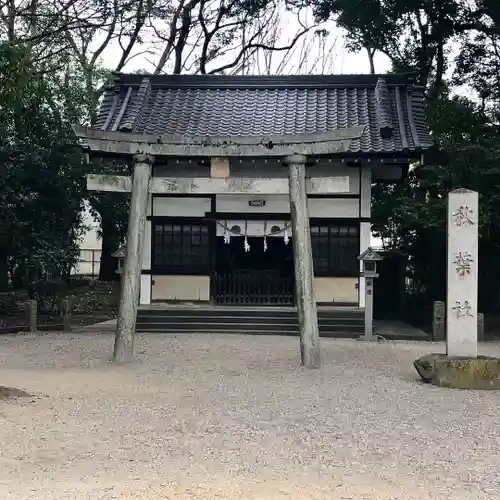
(257, 203)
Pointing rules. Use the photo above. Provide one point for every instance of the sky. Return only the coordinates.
(340, 60)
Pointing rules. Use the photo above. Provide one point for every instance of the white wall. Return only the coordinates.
(145, 292)
(365, 227)
(90, 246)
(280, 203)
(332, 290)
(172, 287)
(181, 206)
(183, 288)
(318, 207)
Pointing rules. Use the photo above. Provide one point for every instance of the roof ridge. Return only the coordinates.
(264, 81)
(382, 108)
(137, 106)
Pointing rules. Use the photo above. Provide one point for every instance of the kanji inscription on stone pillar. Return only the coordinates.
(461, 314)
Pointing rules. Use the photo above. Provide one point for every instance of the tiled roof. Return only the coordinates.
(211, 105)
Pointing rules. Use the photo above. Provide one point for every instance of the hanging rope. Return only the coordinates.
(265, 237)
(228, 232)
(227, 238)
(281, 231)
(246, 245)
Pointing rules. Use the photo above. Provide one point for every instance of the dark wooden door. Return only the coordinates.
(255, 277)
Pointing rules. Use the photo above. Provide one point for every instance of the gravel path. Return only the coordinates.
(235, 417)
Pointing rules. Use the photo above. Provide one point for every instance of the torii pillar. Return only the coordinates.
(303, 262)
(131, 276)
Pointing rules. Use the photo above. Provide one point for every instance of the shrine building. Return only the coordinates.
(218, 153)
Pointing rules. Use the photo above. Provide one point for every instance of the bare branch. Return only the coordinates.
(183, 35)
(108, 37)
(140, 19)
(260, 46)
(171, 39)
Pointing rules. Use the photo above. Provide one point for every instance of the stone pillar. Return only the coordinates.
(438, 321)
(369, 337)
(480, 327)
(461, 304)
(31, 315)
(131, 275)
(303, 262)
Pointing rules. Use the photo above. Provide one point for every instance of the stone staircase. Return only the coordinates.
(333, 322)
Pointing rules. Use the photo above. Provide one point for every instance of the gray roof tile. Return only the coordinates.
(212, 105)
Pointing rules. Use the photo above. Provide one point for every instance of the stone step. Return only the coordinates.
(285, 320)
(246, 331)
(145, 326)
(347, 322)
(245, 312)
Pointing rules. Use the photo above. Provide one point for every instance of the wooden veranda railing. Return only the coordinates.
(263, 287)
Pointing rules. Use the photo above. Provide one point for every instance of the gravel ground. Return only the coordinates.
(236, 417)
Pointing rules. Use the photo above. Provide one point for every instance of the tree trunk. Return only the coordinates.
(110, 243)
(19, 275)
(371, 59)
(4, 274)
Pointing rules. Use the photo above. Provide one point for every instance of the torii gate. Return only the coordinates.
(292, 150)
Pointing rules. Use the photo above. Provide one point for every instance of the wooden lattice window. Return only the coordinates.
(180, 248)
(335, 249)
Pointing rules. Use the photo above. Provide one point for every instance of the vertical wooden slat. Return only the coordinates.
(265, 287)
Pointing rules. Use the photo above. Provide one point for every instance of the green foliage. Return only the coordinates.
(94, 296)
(14, 73)
(417, 36)
(111, 210)
(9, 304)
(47, 292)
(42, 180)
(478, 65)
(411, 216)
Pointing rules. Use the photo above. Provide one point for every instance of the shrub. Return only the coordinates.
(9, 304)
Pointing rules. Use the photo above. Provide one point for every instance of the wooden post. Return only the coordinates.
(219, 167)
(31, 315)
(303, 263)
(131, 276)
(65, 311)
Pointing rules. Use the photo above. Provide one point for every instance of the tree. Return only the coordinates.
(41, 176)
(40, 26)
(195, 36)
(478, 66)
(417, 36)
(411, 216)
(67, 39)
